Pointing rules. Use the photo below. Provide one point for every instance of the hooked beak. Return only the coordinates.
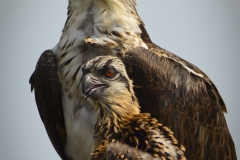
(90, 85)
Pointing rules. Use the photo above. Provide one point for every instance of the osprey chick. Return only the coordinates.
(108, 88)
(175, 92)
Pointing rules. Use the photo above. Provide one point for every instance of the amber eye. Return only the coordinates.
(110, 72)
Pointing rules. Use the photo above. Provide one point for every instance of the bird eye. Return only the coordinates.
(110, 72)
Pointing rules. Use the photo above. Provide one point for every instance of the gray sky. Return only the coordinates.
(206, 33)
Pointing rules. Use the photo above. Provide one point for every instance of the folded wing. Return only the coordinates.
(183, 98)
(45, 83)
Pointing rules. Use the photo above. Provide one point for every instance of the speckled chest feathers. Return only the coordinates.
(93, 27)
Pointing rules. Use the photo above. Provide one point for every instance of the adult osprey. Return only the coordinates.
(108, 88)
(194, 111)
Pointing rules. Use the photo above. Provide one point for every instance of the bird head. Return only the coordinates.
(107, 86)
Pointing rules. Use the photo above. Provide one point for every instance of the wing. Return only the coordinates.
(120, 151)
(117, 150)
(45, 83)
(183, 98)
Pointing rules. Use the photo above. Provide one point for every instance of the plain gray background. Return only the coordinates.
(206, 33)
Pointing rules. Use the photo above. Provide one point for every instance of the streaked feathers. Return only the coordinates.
(118, 117)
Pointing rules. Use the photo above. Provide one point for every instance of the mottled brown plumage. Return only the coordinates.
(92, 27)
(138, 133)
(120, 151)
(174, 91)
(108, 88)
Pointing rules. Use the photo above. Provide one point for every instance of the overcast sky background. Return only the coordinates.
(206, 33)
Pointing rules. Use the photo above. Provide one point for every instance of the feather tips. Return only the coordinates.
(45, 83)
(183, 98)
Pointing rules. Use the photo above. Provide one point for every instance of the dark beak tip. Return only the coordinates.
(89, 86)
(85, 86)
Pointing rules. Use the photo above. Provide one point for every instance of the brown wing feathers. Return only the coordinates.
(185, 102)
(45, 83)
(191, 106)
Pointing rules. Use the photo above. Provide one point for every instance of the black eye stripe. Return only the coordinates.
(108, 62)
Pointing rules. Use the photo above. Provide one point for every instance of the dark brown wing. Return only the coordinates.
(183, 98)
(45, 83)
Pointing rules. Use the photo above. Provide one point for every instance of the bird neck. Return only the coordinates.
(112, 117)
(104, 13)
(108, 23)
(82, 5)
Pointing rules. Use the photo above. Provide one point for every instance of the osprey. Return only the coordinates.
(108, 88)
(187, 102)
